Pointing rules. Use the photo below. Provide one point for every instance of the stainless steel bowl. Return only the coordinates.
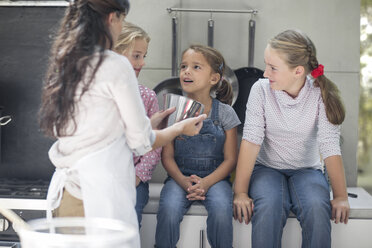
(170, 85)
(231, 78)
(185, 107)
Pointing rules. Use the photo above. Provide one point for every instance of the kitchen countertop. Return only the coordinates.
(24, 204)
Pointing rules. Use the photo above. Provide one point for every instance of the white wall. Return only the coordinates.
(332, 25)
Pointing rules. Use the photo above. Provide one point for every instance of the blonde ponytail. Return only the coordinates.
(330, 94)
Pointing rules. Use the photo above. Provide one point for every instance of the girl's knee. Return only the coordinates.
(318, 208)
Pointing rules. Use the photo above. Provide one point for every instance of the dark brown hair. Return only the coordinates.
(299, 50)
(82, 34)
(224, 92)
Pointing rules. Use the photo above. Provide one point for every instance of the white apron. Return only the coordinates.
(107, 181)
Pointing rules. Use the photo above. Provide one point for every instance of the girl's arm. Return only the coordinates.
(170, 165)
(340, 204)
(243, 205)
(329, 146)
(223, 170)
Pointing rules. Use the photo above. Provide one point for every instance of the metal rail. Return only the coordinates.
(251, 11)
(14, 3)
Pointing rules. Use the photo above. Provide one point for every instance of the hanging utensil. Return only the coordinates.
(210, 31)
(170, 85)
(229, 74)
(174, 47)
(247, 76)
(252, 29)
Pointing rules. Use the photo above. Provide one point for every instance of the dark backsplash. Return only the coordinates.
(25, 40)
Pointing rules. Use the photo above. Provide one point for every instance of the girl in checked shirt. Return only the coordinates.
(292, 115)
(133, 43)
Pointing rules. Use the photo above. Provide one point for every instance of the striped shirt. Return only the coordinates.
(293, 133)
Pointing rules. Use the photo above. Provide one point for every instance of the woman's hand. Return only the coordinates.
(243, 207)
(340, 210)
(191, 126)
(159, 119)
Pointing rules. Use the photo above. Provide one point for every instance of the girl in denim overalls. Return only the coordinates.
(199, 167)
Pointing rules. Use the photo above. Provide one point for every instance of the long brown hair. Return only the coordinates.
(82, 34)
(299, 50)
(223, 89)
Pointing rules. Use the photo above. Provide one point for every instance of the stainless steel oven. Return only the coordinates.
(27, 198)
(10, 244)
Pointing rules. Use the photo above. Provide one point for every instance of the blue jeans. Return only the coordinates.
(142, 199)
(173, 206)
(275, 192)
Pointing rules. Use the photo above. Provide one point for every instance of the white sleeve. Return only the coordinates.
(125, 92)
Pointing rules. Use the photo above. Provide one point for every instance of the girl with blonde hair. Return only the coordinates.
(292, 115)
(133, 43)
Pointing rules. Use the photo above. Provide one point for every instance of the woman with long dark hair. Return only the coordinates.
(91, 104)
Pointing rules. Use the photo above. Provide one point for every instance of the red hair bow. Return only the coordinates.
(318, 71)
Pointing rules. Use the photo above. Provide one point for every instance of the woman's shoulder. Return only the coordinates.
(112, 58)
(114, 68)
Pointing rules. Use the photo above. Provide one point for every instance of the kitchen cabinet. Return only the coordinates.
(192, 231)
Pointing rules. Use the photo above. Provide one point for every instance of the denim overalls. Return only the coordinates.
(203, 153)
(200, 155)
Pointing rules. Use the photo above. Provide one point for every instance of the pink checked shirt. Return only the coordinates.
(146, 164)
(292, 132)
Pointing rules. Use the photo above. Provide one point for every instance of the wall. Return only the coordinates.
(24, 44)
(332, 25)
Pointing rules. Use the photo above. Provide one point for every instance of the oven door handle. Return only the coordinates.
(5, 120)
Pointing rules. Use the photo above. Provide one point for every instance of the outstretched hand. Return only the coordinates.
(191, 126)
(159, 119)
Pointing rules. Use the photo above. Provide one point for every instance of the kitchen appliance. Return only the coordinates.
(172, 84)
(229, 74)
(3, 121)
(27, 198)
